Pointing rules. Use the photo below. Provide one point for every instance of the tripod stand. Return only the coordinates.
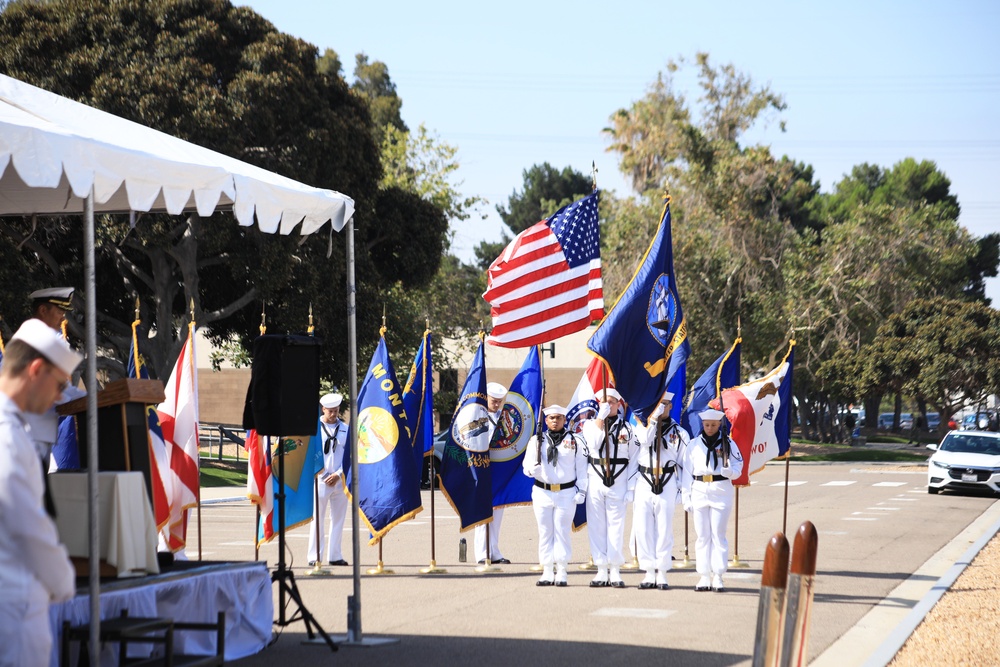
(284, 577)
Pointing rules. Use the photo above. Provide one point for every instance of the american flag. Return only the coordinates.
(547, 282)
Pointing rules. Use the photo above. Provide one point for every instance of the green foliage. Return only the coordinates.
(373, 84)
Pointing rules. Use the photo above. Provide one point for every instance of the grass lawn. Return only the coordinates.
(861, 455)
(222, 473)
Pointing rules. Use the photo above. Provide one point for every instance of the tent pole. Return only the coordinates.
(354, 601)
(90, 343)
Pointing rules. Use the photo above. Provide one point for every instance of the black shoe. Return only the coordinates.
(543, 582)
(617, 584)
(501, 561)
(338, 562)
(560, 583)
(598, 584)
(647, 585)
(482, 562)
(663, 587)
(720, 589)
(312, 563)
(702, 588)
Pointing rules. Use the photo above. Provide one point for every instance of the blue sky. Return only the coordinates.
(519, 83)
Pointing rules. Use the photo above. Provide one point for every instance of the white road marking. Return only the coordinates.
(235, 544)
(859, 518)
(790, 484)
(621, 612)
(884, 509)
(889, 484)
(840, 483)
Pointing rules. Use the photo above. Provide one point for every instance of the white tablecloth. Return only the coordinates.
(127, 530)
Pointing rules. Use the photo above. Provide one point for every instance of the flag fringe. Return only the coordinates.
(447, 496)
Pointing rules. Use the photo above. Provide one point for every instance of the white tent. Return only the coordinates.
(60, 157)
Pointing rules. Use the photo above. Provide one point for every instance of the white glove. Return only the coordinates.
(657, 413)
(686, 502)
(604, 410)
(630, 496)
(687, 507)
(533, 470)
(579, 497)
(726, 472)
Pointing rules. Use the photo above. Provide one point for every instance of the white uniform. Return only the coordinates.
(656, 496)
(552, 497)
(34, 567)
(493, 526)
(611, 469)
(333, 439)
(706, 488)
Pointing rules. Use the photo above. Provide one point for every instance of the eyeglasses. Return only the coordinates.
(63, 384)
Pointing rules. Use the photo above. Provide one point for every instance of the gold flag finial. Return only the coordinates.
(311, 328)
(593, 175)
(137, 308)
(263, 318)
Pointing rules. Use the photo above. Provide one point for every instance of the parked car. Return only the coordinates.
(933, 421)
(905, 421)
(965, 460)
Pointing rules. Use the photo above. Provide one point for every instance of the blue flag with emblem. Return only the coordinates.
(783, 421)
(724, 373)
(418, 401)
(643, 338)
(518, 422)
(388, 477)
(465, 465)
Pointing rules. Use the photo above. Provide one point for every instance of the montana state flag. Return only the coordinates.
(388, 477)
(643, 338)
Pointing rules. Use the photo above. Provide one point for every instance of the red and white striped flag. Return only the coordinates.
(260, 484)
(179, 422)
(547, 282)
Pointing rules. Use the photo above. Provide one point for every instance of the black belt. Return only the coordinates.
(656, 483)
(614, 462)
(710, 478)
(666, 468)
(555, 487)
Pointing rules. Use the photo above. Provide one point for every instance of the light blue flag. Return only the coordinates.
(643, 339)
(418, 400)
(518, 422)
(724, 373)
(388, 477)
(465, 466)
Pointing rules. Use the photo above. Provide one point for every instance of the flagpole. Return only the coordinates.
(256, 532)
(538, 429)
(353, 601)
(488, 567)
(379, 569)
(318, 568)
(736, 562)
(432, 568)
(191, 361)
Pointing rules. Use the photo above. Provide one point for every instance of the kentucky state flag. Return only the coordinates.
(724, 373)
(465, 466)
(518, 422)
(388, 476)
(643, 339)
(418, 401)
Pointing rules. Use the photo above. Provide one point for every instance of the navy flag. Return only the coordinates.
(418, 401)
(465, 466)
(518, 422)
(643, 338)
(388, 481)
(724, 373)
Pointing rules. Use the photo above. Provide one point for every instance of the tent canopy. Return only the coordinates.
(53, 150)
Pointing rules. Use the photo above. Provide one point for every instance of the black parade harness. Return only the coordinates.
(658, 480)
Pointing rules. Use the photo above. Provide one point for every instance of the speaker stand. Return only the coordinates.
(284, 576)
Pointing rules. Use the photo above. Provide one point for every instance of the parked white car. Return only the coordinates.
(965, 460)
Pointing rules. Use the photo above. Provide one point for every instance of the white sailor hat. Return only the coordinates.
(49, 343)
(711, 415)
(331, 400)
(495, 390)
(603, 394)
(57, 296)
(667, 396)
(554, 410)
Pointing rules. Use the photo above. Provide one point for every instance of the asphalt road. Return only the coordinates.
(877, 526)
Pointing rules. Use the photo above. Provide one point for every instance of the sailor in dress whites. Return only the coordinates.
(333, 434)
(709, 464)
(611, 448)
(557, 464)
(663, 445)
(496, 395)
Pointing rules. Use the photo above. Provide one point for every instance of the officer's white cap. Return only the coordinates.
(711, 415)
(331, 400)
(57, 296)
(554, 410)
(602, 394)
(495, 390)
(50, 344)
(667, 396)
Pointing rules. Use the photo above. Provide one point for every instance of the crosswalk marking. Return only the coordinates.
(884, 509)
(846, 483)
(859, 518)
(621, 612)
(890, 484)
(789, 484)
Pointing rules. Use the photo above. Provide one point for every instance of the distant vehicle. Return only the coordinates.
(905, 421)
(885, 421)
(965, 460)
(979, 421)
(933, 421)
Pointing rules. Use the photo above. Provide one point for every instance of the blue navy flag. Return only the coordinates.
(418, 401)
(465, 466)
(388, 477)
(643, 339)
(783, 421)
(518, 422)
(724, 373)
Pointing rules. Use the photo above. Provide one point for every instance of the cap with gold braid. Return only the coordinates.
(57, 296)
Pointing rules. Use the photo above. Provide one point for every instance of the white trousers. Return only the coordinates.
(554, 512)
(494, 528)
(606, 508)
(334, 499)
(653, 518)
(25, 635)
(711, 504)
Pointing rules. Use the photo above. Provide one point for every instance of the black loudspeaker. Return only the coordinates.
(283, 395)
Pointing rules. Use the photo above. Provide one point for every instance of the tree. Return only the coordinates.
(223, 77)
(373, 84)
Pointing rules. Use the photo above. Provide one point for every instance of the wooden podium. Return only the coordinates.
(122, 426)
